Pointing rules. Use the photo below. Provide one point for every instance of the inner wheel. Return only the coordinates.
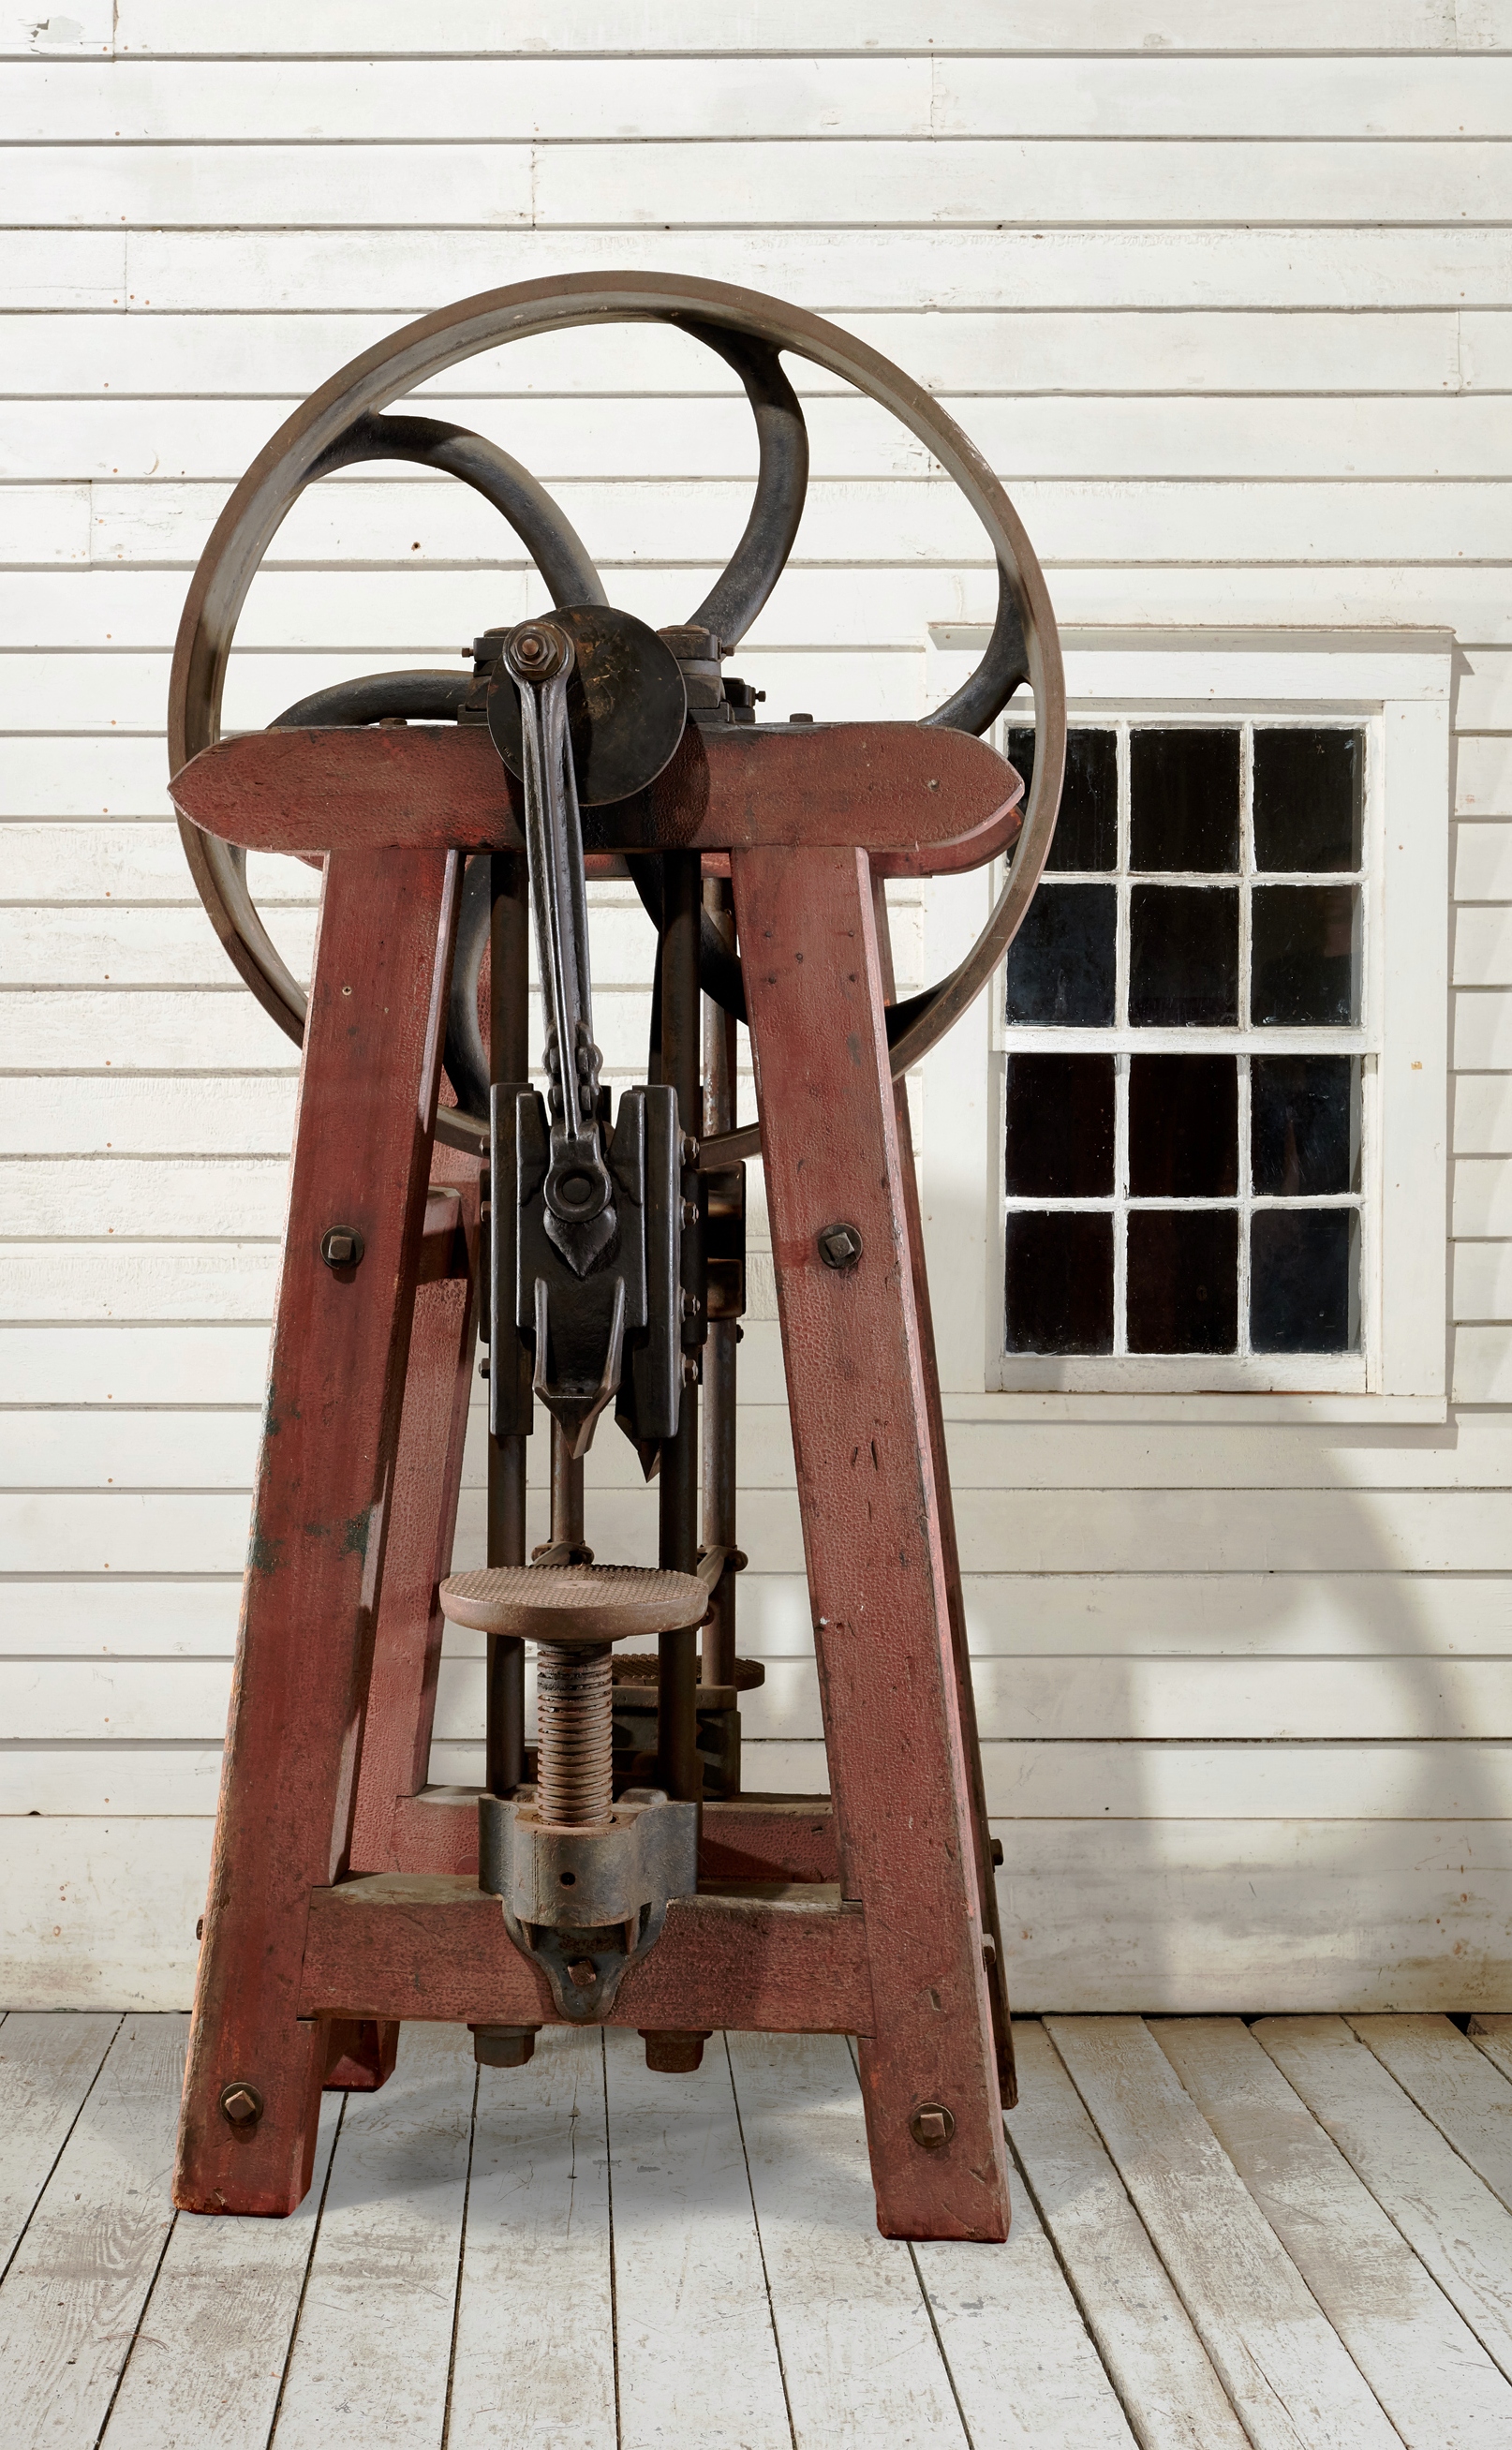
(340, 423)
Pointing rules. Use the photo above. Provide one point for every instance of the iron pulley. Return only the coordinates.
(344, 424)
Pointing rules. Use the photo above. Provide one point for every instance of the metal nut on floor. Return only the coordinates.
(931, 2126)
(240, 2106)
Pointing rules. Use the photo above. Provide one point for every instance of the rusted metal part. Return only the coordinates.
(763, 1957)
(586, 1901)
(755, 1838)
(626, 702)
(321, 1517)
(574, 1745)
(674, 2054)
(873, 1537)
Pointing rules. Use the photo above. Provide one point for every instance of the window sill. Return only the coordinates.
(1248, 1407)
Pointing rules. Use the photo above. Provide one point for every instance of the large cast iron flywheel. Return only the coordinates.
(340, 425)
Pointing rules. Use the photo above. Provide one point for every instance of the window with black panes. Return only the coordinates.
(1182, 1158)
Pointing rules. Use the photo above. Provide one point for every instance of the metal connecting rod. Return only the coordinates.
(579, 1188)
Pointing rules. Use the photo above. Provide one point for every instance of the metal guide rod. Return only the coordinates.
(679, 1769)
(567, 1493)
(509, 1058)
(718, 1661)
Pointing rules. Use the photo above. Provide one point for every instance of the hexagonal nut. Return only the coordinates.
(931, 2126)
(840, 1247)
(240, 2106)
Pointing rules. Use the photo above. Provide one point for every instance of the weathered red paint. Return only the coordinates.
(873, 1533)
(924, 803)
(959, 1644)
(401, 1707)
(360, 2055)
(767, 1958)
(367, 1093)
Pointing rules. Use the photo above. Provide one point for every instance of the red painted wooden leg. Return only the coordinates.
(423, 1527)
(877, 1575)
(965, 1691)
(367, 1095)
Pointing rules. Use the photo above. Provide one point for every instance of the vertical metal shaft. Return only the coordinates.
(567, 1491)
(678, 1767)
(509, 1057)
(718, 1666)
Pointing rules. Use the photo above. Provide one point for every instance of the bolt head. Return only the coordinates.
(341, 1246)
(582, 1974)
(241, 2106)
(840, 1247)
(932, 2126)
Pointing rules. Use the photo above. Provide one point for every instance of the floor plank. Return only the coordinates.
(72, 2296)
(698, 2358)
(534, 2359)
(1285, 2371)
(1163, 2374)
(1454, 2084)
(1025, 2369)
(373, 2343)
(1430, 2373)
(1448, 2216)
(207, 2361)
(860, 2354)
(1493, 2034)
(47, 2067)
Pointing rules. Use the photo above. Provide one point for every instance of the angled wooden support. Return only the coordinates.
(321, 1521)
(873, 1535)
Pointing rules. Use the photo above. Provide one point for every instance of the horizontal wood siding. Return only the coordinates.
(1223, 291)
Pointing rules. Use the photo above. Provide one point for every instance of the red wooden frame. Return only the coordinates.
(343, 1893)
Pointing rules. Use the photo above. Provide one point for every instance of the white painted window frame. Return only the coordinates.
(1397, 686)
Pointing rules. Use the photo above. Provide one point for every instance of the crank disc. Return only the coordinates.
(626, 704)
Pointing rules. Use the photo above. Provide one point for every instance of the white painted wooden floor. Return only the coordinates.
(1297, 2234)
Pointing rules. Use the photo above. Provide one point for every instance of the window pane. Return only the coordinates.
(1308, 799)
(1303, 1276)
(1087, 827)
(1183, 1127)
(1184, 801)
(1060, 1126)
(1304, 940)
(1304, 1123)
(1183, 1280)
(1059, 1282)
(1184, 956)
(1061, 965)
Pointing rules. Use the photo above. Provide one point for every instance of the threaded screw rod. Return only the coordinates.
(574, 1708)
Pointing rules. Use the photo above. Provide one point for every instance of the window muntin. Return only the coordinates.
(1185, 1099)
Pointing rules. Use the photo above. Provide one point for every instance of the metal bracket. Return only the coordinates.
(585, 1904)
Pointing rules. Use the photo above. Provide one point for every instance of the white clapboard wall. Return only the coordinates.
(1224, 288)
